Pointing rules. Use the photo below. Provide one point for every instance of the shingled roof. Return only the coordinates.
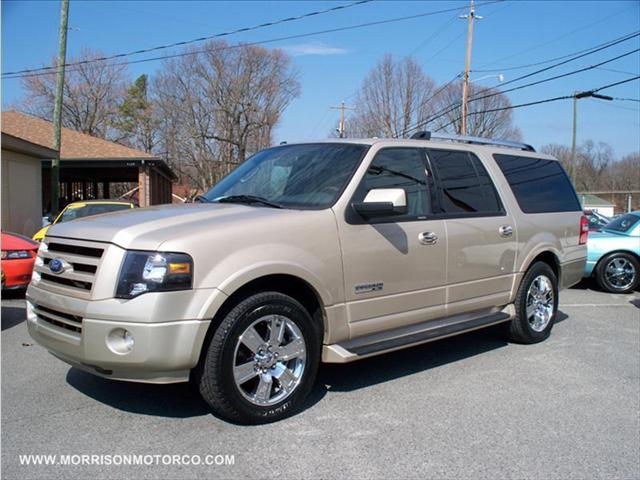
(74, 145)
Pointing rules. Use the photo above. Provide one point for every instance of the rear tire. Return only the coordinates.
(262, 360)
(618, 273)
(536, 305)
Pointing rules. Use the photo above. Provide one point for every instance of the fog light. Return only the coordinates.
(120, 341)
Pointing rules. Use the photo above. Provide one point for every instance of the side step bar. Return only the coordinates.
(432, 330)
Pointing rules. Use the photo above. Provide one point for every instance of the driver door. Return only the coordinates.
(394, 266)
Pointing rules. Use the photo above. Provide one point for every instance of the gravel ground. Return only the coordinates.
(472, 406)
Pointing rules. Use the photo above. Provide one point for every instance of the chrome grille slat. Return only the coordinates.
(67, 281)
(71, 275)
(84, 260)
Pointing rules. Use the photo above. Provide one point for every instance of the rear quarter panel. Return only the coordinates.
(557, 232)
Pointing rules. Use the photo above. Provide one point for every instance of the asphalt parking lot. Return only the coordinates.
(472, 406)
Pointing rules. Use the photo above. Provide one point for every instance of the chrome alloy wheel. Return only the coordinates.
(620, 273)
(540, 302)
(269, 360)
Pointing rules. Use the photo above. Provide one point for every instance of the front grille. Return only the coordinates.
(81, 260)
(59, 319)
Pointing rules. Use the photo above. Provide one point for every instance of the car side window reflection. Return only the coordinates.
(400, 168)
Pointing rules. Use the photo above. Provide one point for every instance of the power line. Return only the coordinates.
(627, 99)
(615, 84)
(538, 102)
(535, 47)
(544, 62)
(197, 40)
(272, 40)
(556, 77)
(622, 39)
(608, 104)
(453, 106)
(544, 80)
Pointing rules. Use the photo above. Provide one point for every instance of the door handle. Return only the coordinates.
(428, 238)
(505, 230)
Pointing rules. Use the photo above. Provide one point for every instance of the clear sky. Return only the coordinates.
(333, 65)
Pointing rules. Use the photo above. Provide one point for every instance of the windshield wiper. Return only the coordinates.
(248, 199)
(201, 199)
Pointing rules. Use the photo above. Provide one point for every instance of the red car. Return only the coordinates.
(18, 256)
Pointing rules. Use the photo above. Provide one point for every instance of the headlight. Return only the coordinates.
(144, 272)
(15, 254)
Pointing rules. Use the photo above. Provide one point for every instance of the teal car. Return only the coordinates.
(613, 254)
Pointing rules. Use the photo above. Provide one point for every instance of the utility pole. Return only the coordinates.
(577, 96)
(342, 108)
(57, 110)
(573, 137)
(467, 67)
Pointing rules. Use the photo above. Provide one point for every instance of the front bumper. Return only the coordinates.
(167, 329)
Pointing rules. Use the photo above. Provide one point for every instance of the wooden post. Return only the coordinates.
(144, 199)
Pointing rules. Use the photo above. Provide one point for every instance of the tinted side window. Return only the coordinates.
(539, 185)
(465, 185)
(399, 168)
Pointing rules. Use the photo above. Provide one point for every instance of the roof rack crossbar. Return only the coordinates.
(425, 135)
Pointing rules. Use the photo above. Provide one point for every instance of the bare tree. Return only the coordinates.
(481, 121)
(220, 104)
(393, 96)
(92, 92)
(625, 173)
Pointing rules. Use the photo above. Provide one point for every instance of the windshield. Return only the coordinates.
(88, 210)
(295, 176)
(624, 223)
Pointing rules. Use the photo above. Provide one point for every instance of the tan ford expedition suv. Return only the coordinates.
(331, 251)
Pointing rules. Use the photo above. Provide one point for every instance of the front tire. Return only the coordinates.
(618, 273)
(262, 360)
(536, 305)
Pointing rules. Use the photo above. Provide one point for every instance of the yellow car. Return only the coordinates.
(84, 209)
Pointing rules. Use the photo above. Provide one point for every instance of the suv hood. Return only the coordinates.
(148, 228)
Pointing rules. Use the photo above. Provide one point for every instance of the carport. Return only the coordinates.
(86, 179)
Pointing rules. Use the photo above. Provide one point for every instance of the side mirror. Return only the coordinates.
(47, 220)
(382, 202)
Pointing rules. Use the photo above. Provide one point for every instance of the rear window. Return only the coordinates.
(623, 224)
(539, 185)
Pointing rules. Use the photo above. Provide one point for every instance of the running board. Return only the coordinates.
(429, 331)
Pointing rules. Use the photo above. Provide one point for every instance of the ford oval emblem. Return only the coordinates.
(56, 265)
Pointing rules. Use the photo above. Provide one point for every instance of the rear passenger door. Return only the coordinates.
(480, 232)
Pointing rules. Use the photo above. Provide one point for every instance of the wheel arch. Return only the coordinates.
(618, 250)
(287, 284)
(550, 258)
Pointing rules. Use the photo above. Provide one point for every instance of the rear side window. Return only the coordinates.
(539, 185)
(464, 183)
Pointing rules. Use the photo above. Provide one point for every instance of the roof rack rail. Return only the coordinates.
(425, 135)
